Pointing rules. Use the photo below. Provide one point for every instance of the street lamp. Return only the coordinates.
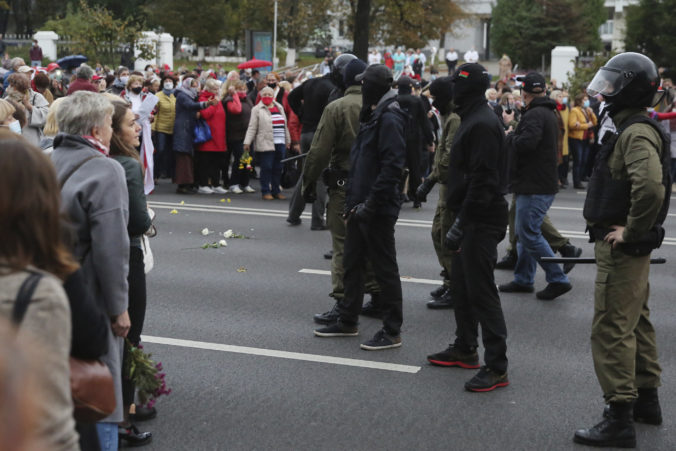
(274, 39)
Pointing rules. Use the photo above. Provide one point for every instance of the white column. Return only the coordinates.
(47, 41)
(149, 37)
(563, 61)
(165, 51)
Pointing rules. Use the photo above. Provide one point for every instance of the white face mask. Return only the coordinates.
(124, 79)
(169, 86)
(15, 127)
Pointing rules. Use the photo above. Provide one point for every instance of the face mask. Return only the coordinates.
(137, 90)
(124, 79)
(168, 86)
(241, 94)
(266, 100)
(272, 85)
(564, 101)
(15, 127)
(585, 104)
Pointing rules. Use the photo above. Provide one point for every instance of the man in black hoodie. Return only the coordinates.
(476, 198)
(534, 181)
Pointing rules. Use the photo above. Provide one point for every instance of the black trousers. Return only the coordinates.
(374, 240)
(237, 176)
(476, 296)
(208, 168)
(137, 311)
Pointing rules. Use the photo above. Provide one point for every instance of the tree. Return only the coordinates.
(97, 34)
(411, 23)
(650, 30)
(201, 21)
(528, 29)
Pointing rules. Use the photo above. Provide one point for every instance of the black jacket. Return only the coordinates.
(533, 150)
(90, 323)
(378, 157)
(476, 171)
(309, 100)
(237, 124)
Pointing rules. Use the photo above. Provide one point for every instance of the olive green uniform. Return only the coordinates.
(443, 217)
(623, 339)
(331, 146)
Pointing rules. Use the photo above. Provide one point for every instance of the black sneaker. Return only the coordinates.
(553, 291)
(133, 437)
(294, 221)
(569, 251)
(438, 292)
(382, 340)
(486, 380)
(513, 287)
(329, 317)
(328, 255)
(337, 329)
(444, 302)
(453, 356)
(371, 310)
(507, 262)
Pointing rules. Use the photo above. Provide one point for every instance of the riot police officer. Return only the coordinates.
(627, 201)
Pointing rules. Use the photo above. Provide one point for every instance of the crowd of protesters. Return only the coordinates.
(112, 135)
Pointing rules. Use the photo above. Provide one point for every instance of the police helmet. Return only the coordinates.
(342, 60)
(627, 79)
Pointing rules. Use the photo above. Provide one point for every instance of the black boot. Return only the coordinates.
(508, 261)
(444, 302)
(329, 317)
(438, 292)
(647, 408)
(373, 308)
(617, 430)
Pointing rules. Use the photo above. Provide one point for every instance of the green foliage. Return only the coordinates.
(528, 29)
(97, 34)
(650, 30)
(199, 20)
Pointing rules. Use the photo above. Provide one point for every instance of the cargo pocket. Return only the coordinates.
(600, 291)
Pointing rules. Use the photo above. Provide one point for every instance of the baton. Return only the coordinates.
(590, 260)
(295, 157)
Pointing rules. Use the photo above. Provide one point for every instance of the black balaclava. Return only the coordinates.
(442, 91)
(470, 84)
(372, 92)
(353, 68)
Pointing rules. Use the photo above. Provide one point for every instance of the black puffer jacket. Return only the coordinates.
(378, 157)
(309, 100)
(533, 150)
(477, 167)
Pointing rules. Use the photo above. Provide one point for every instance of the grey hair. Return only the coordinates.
(84, 72)
(81, 111)
(17, 62)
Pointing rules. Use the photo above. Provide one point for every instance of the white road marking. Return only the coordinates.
(281, 354)
(416, 223)
(408, 279)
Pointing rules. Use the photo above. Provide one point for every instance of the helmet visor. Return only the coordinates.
(608, 82)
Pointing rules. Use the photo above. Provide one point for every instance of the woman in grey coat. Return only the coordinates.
(96, 200)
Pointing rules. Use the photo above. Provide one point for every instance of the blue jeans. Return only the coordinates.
(580, 150)
(530, 212)
(107, 436)
(271, 169)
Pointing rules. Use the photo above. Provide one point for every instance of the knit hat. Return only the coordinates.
(353, 68)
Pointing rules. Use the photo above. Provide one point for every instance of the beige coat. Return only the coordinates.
(46, 328)
(260, 131)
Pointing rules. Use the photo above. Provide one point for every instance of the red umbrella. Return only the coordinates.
(254, 63)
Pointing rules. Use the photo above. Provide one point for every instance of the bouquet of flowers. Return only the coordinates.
(146, 374)
(245, 161)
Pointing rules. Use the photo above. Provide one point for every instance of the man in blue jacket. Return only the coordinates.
(372, 207)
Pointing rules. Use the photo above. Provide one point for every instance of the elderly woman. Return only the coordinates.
(51, 127)
(34, 104)
(210, 159)
(581, 123)
(94, 196)
(187, 108)
(269, 132)
(123, 146)
(7, 120)
(562, 113)
(163, 126)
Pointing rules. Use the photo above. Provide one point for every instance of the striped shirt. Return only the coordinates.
(278, 126)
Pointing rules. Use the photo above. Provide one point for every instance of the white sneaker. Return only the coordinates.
(248, 189)
(235, 189)
(205, 190)
(220, 190)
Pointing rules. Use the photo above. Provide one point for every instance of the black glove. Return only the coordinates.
(454, 236)
(424, 189)
(310, 193)
(363, 212)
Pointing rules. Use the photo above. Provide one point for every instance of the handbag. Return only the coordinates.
(202, 132)
(91, 382)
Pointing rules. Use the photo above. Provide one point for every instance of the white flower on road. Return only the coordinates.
(228, 233)
(222, 243)
(205, 231)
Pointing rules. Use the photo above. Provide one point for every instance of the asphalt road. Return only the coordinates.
(226, 311)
